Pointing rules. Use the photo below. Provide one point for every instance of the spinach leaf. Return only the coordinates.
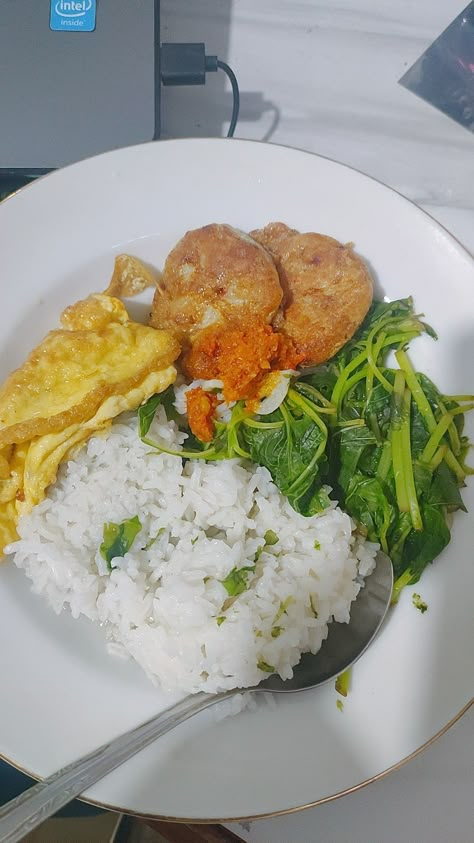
(323, 379)
(146, 413)
(423, 478)
(421, 547)
(377, 407)
(366, 501)
(314, 500)
(444, 490)
(237, 581)
(353, 442)
(285, 451)
(431, 391)
(293, 452)
(419, 431)
(118, 539)
(370, 459)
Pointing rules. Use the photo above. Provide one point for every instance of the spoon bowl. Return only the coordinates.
(344, 644)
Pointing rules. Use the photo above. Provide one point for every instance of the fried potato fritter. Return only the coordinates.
(273, 233)
(215, 275)
(327, 289)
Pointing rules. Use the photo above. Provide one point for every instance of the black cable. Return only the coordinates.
(235, 94)
(188, 64)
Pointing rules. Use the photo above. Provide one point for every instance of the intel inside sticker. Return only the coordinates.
(73, 15)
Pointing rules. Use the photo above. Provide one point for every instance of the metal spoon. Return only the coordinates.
(344, 645)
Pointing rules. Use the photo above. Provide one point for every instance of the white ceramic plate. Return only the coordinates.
(61, 694)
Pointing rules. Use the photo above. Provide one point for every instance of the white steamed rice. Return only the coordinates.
(160, 605)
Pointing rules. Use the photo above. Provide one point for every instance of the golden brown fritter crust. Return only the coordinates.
(272, 235)
(215, 275)
(327, 289)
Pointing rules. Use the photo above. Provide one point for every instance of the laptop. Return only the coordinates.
(77, 77)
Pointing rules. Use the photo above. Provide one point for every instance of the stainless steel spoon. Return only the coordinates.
(344, 645)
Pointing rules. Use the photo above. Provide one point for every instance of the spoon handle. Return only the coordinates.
(24, 813)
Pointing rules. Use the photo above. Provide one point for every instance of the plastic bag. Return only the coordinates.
(444, 74)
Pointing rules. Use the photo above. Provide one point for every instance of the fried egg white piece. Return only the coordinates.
(94, 313)
(45, 453)
(130, 277)
(10, 486)
(34, 465)
(72, 385)
(72, 372)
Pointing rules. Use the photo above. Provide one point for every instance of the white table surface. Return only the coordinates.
(323, 76)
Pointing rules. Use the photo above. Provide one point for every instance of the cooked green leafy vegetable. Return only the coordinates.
(291, 443)
(118, 539)
(267, 668)
(146, 413)
(419, 603)
(382, 437)
(343, 682)
(270, 538)
(259, 552)
(399, 468)
(282, 608)
(153, 539)
(237, 581)
(313, 607)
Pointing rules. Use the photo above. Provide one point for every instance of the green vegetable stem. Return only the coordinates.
(399, 470)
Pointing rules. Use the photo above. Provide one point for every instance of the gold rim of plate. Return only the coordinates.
(107, 806)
